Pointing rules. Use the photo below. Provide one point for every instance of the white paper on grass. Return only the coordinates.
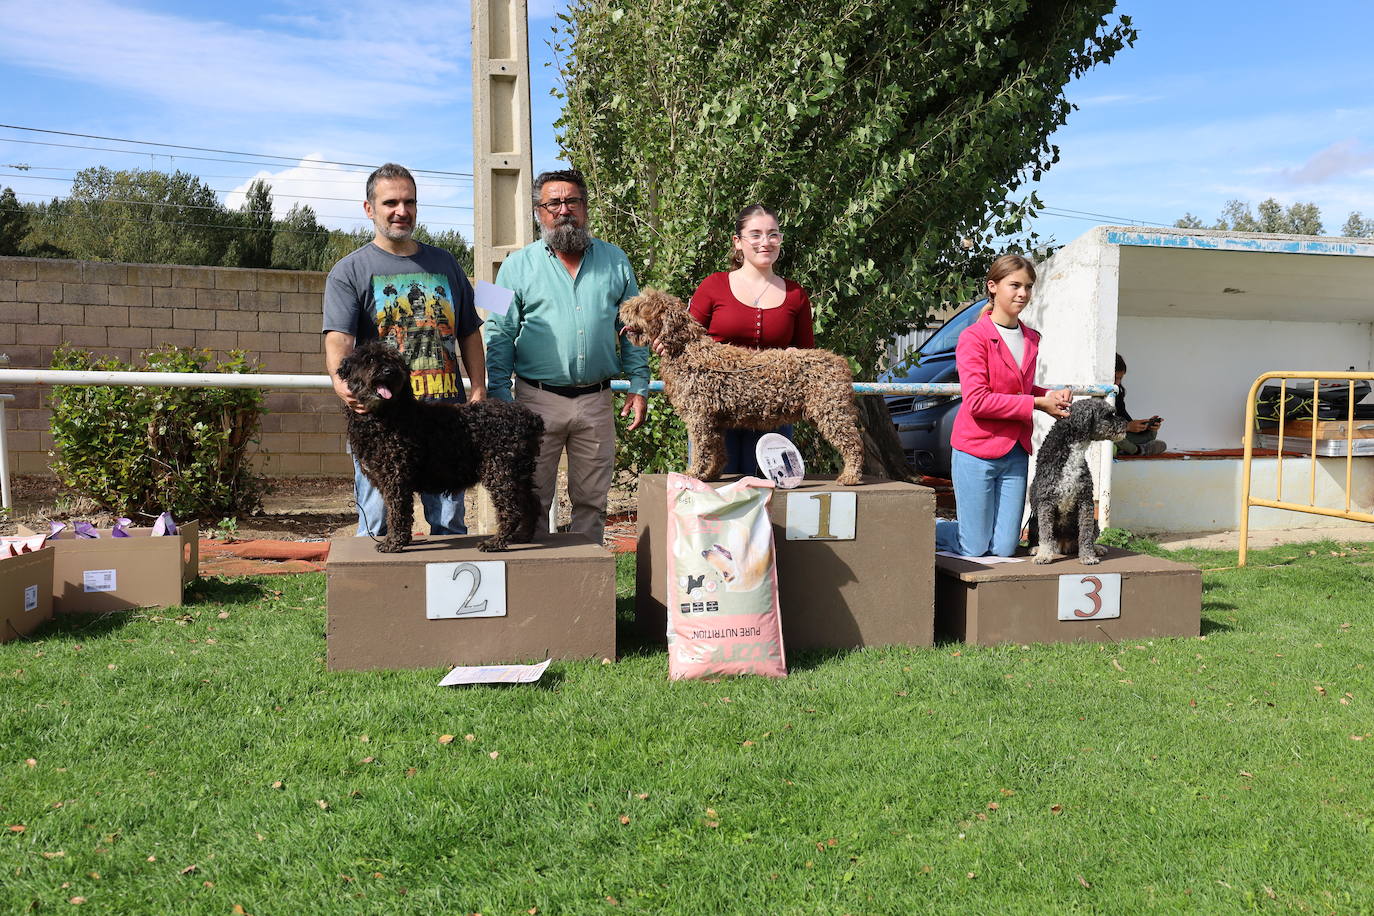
(495, 674)
(493, 298)
(986, 561)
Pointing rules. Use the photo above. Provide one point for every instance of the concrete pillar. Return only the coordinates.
(502, 162)
(503, 167)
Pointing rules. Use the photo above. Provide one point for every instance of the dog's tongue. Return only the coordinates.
(384, 392)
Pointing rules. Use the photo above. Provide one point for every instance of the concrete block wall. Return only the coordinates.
(123, 310)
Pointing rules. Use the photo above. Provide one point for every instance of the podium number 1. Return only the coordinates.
(823, 520)
(1095, 596)
(821, 516)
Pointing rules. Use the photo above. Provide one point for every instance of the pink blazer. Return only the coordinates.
(999, 397)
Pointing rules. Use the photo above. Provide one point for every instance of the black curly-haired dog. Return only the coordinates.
(1061, 496)
(405, 446)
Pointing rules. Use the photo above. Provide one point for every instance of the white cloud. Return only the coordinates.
(335, 193)
(1338, 160)
(1117, 99)
(350, 66)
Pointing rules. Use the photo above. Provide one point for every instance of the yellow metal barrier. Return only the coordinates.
(1247, 500)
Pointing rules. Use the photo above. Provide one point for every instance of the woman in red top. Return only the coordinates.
(751, 306)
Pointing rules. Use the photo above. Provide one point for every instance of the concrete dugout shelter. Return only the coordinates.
(1198, 315)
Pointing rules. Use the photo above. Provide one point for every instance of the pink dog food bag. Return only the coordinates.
(722, 580)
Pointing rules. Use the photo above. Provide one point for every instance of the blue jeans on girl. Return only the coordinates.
(990, 496)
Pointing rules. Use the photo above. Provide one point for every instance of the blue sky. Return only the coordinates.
(1219, 99)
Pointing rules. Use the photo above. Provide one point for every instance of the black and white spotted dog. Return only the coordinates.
(1061, 496)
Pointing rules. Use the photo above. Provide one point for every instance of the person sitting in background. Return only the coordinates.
(1141, 435)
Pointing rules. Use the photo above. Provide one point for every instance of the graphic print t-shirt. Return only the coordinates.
(421, 304)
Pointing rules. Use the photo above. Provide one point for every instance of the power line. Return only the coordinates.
(1089, 215)
(187, 225)
(227, 152)
(275, 181)
(133, 152)
(347, 200)
(162, 203)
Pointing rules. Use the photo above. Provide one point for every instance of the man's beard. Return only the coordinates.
(567, 237)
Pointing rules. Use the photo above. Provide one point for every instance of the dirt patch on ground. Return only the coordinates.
(295, 509)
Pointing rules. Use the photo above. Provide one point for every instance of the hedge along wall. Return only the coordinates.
(122, 310)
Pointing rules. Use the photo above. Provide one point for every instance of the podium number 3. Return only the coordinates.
(1095, 597)
(465, 607)
(1093, 594)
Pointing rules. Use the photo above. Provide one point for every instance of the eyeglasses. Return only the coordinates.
(755, 237)
(572, 203)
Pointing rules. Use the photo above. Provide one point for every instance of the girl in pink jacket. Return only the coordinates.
(992, 430)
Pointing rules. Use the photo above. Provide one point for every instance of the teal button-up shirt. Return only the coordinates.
(564, 330)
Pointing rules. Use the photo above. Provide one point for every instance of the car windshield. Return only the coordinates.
(947, 337)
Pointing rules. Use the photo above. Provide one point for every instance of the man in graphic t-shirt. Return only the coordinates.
(416, 298)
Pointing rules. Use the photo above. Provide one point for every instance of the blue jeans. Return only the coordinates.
(443, 512)
(741, 450)
(990, 496)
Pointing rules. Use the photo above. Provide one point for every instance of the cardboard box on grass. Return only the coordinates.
(25, 593)
(1126, 596)
(99, 575)
(554, 598)
(870, 584)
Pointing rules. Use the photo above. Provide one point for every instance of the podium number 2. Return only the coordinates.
(1090, 597)
(465, 590)
(466, 608)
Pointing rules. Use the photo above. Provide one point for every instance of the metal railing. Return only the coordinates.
(263, 380)
(1247, 499)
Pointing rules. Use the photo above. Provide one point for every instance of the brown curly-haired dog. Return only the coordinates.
(405, 446)
(716, 387)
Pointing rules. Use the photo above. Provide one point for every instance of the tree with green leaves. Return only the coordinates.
(885, 135)
(252, 246)
(1272, 216)
(13, 222)
(136, 215)
(300, 242)
(1357, 227)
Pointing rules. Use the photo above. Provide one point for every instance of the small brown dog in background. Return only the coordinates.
(715, 386)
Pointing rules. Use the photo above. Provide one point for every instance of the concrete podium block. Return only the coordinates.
(986, 604)
(558, 597)
(874, 588)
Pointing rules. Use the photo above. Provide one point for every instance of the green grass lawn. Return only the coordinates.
(202, 760)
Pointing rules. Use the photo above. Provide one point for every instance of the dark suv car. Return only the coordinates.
(924, 422)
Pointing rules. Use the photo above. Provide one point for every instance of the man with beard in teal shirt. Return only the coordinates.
(560, 340)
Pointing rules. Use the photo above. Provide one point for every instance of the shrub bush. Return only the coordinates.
(140, 451)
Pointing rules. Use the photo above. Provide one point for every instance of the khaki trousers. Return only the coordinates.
(585, 427)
